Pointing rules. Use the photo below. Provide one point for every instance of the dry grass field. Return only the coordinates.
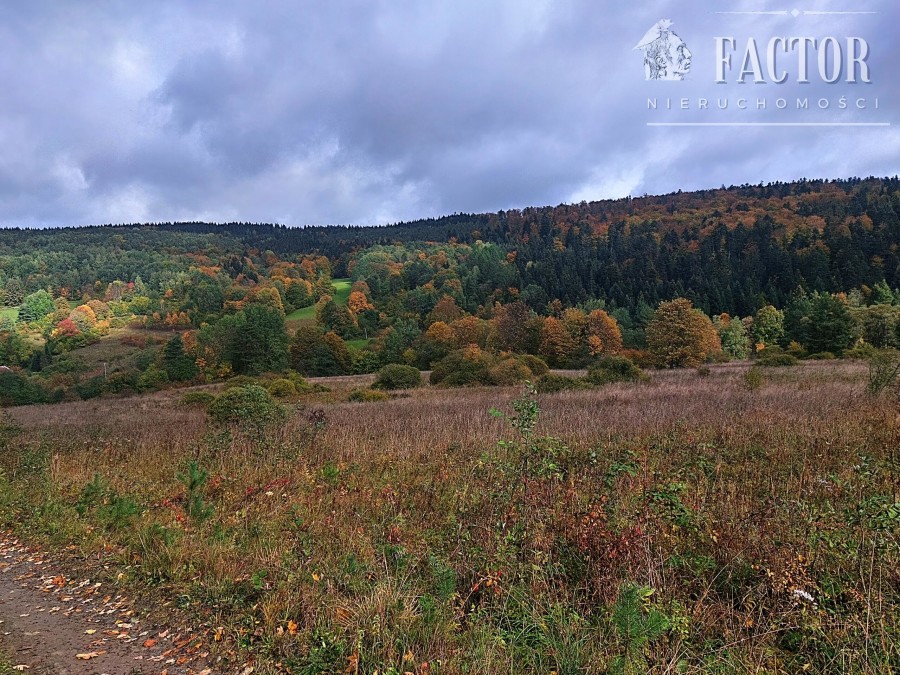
(695, 523)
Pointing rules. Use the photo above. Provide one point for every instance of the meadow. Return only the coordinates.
(307, 314)
(703, 521)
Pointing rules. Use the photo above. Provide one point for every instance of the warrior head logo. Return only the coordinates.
(666, 56)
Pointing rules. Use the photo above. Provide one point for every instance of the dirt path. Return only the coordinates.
(51, 623)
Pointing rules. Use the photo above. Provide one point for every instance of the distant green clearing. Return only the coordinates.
(11, 312)
(305, 314)
(340, 297)
(362, 343)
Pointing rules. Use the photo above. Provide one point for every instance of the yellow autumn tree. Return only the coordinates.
(557, 344)
(679, 335)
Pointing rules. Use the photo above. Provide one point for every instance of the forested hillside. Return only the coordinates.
(810, 265)
(729, 250)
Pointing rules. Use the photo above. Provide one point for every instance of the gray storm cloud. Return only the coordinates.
(371, 112)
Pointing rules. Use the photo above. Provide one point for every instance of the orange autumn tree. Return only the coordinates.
(603, 333)
(557, 344)
(679, 335)
(446, 310)
(470, 330)
(358, 302)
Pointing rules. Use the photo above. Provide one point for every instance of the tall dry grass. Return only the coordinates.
(377, 538)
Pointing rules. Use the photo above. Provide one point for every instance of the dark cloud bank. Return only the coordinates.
(375, 111)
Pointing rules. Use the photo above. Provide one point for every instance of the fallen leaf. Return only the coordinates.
(150, 643)
(90, 631)
(87, 656)
(292, 627)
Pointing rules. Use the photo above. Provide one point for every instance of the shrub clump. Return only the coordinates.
(283, 388)
(535, 364)
(508, 372)
(472, 367)
(247, 405)
(611, 369)
(398, 376)
(17, 389)
(197, 398)
(552, 383)
(242, 381)
(367, 396)
(821, 356)
(754, 378)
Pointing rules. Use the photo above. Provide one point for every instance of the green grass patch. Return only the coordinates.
(342, 294)
(362, 343)
(304, 314)
(9, 312)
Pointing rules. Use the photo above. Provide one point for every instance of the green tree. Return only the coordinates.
(821, 322)
(879, 325)
(313, 355)
(397, 339)
(768, 326)
(883, 295)
(13, 292)
(36, 306)
(263, 344)
(252, 341)
(13, 349)
(733, 335)
(176, 362)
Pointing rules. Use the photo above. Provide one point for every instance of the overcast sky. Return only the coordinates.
(371, 111)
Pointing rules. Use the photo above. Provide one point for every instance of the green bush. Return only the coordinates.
(17, 389)
(821, 356)
(754, 378)
(121, 381)
(551, 383)
(91, 388)
(249, 405)
(778, 360)
(198, 398)
(299, 382)
(611, 369)
(367, 396)
(283, 388)
(242, 381)
(535, 364)
(365, 361)
(152, 378)
(398, 376)
(884, 371)
(472, 367)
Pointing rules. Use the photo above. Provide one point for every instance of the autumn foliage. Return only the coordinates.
(679, 335)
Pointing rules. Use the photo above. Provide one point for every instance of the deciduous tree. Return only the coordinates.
(679, 335)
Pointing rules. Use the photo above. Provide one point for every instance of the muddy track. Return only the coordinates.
(56, 624)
